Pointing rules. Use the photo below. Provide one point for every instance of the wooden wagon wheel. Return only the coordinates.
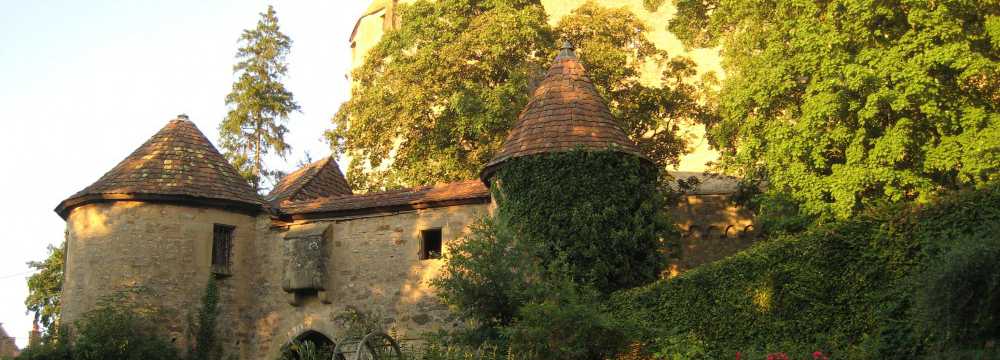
(374, 346)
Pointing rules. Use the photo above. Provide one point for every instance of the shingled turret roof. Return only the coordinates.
(565, 112)
(319, 179)
(178, 164)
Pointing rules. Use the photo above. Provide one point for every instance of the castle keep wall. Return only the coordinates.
(164, 249)
(712, 228)
(372, 265)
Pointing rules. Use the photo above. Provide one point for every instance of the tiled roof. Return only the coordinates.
(319, 179)
(565, 112)
(176, 164)
(462, 192)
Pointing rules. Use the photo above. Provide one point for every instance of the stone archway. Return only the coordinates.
(310, 340)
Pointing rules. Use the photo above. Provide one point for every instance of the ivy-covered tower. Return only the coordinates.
(568, 175)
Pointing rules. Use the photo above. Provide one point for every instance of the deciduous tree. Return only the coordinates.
(840, 104)
(436, 97)
(45, 289)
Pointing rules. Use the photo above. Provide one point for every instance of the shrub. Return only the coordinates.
(54, 346)
(487, 277)
(117, 328)
(959, 300)
(115, 333)
(846, 288)
(568, 322)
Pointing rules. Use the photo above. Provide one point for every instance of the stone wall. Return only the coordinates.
(712, 228)
(164, 249)
(8, 347)
(372, 266)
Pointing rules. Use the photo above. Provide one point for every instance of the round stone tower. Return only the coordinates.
(568, 176)
(157, 226)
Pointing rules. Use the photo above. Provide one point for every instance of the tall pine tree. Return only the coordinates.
(259, 103)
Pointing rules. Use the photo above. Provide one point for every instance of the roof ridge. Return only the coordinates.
(410, 189)
(298, 186)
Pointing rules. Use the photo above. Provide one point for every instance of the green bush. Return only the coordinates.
(959, 302)
(566, 323)
(848, 287)
(488, 277)
(54, 346)
(117, 328)
(115, 333)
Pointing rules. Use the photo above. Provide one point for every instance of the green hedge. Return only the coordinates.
(850, 288)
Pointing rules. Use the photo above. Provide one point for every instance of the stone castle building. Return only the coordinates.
(8, 347)
(174, 214)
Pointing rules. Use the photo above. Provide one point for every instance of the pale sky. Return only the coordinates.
(82, 84)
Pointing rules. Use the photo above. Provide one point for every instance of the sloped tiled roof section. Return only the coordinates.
(565, 112)
(319, 179)
(178, 164)
(456, 193)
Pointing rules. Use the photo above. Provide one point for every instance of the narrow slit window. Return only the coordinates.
(430, 244)
(222, 249)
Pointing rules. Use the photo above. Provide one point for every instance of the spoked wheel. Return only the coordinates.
(374, 346)
(378, 346)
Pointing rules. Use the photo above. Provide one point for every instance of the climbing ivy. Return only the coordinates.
(600, 213)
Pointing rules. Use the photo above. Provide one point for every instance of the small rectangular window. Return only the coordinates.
(222, 249)
(430, 244)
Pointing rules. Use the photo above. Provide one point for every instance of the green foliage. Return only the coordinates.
(848, 288)
(54, 346)
(843, 104)
(959, 300)
(488, 276)
(205, 346)
(652, 5)
(600, 213)
(566, 322)
(259, 103)
(119, 327)
(305, 350)
(442, 350)
(435, 98)
(45, 289)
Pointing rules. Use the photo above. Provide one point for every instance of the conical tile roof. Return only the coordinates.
(318, 179)
(178, 164)
(565, 112)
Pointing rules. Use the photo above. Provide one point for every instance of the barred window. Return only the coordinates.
(222, 248)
